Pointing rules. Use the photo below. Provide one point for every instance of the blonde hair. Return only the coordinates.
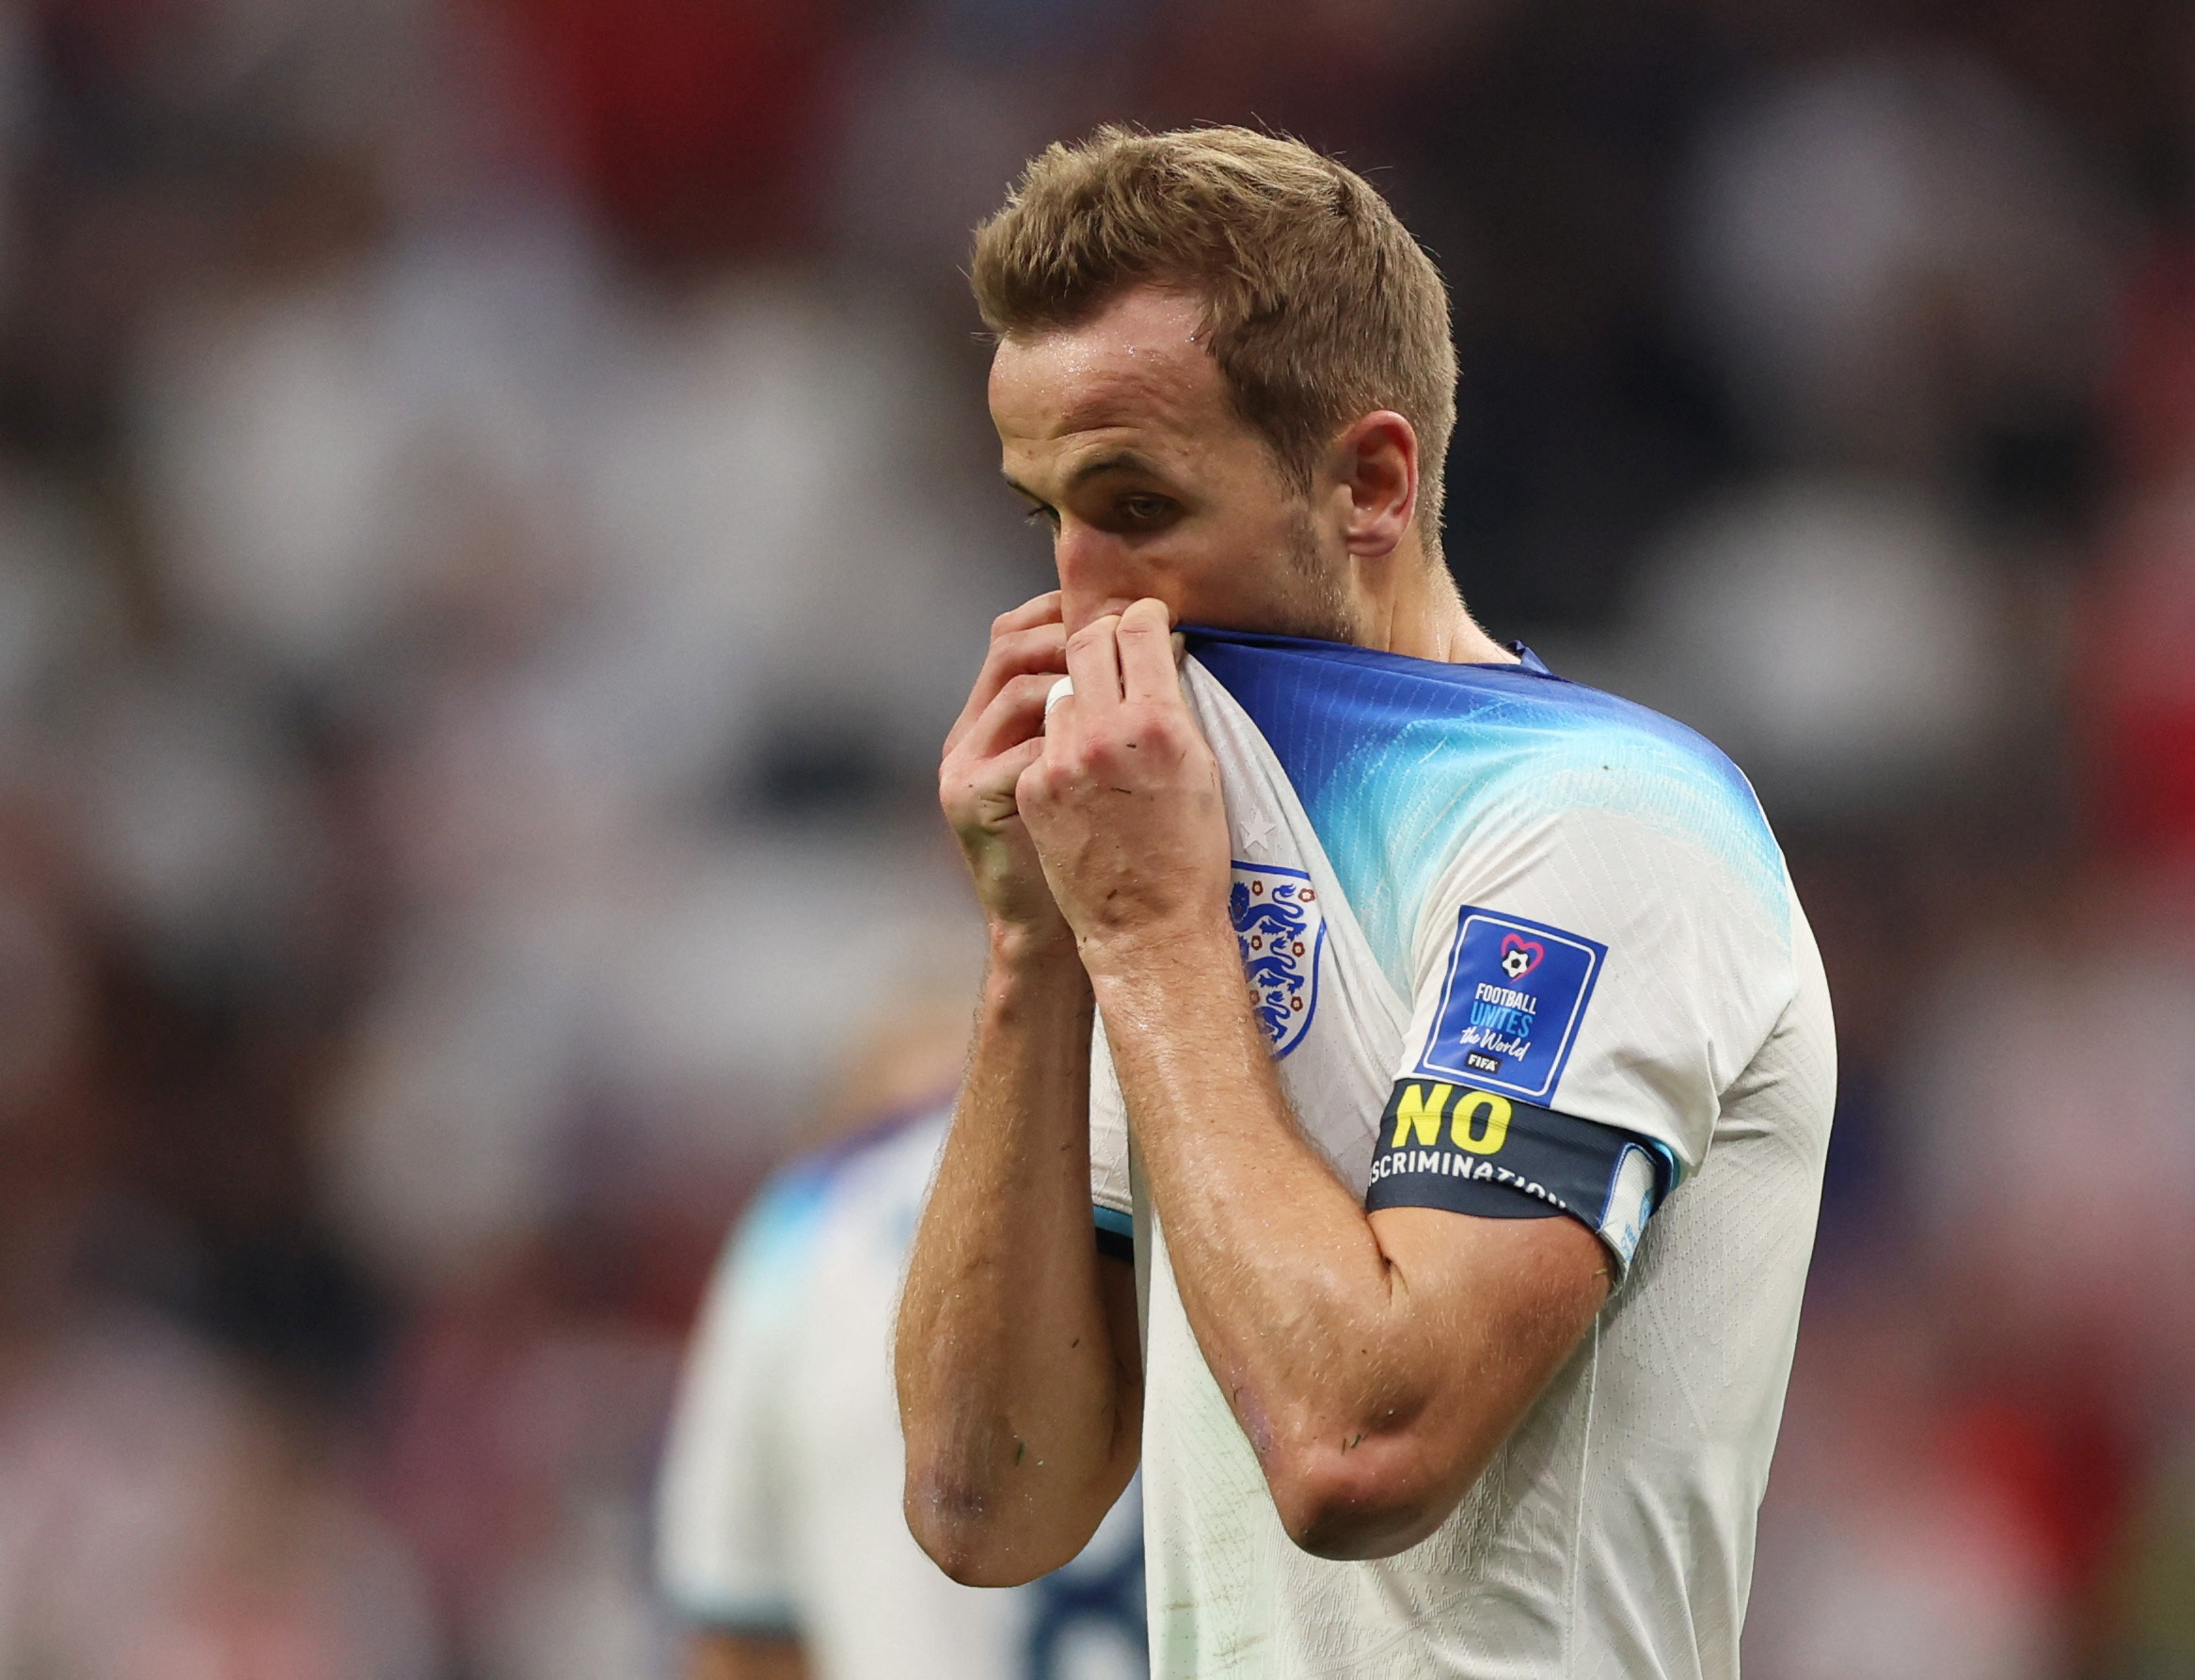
(1318, 304)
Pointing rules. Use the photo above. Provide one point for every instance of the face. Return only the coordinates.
(1120, 434)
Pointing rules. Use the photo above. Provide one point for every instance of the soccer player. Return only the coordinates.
(1442, 1038)
(781, 1542)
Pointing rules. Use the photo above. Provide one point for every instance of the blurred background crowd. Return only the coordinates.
(497, 512)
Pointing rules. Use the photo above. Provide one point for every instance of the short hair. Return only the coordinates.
(1319, 306)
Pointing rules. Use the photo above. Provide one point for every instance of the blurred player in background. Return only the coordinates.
(1468, 1238)
(782, 1543)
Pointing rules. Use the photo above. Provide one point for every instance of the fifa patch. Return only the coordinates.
(1282, 932)
(1510, 1006)
(1475, 1151)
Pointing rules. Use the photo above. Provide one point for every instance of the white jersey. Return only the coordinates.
(780, 1495)
(1521, 949)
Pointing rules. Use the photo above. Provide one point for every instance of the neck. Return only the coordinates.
(1406, 603)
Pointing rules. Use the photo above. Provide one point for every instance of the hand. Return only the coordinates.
(1123, 799)
(996, 737)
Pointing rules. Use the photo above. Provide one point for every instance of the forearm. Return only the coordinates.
(1021, 1412)
(1276, 1265)
(1338, 1352)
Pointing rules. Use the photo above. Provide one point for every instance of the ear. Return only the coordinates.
(1376, 459)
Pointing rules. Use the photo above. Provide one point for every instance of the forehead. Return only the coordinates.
(1136, 366)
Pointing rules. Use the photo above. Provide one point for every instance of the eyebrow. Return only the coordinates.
(1097, 467)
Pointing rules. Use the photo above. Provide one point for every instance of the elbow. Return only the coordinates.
(953, 1528)
(984, 1535)
(1371, 1497)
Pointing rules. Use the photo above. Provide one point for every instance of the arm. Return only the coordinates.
(1018, 1366)
(1375, 1361)
(737, 1656)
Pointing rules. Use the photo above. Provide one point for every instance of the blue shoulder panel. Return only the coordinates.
(769, 1250)
(771, 1246)
(1397, 760)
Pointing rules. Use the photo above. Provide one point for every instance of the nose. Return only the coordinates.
(1096, 576)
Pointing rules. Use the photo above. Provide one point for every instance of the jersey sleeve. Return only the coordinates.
(1587, 983)
(721, 1530)
(1112, 1203)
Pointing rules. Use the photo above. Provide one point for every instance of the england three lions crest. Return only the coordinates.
(1281, 932)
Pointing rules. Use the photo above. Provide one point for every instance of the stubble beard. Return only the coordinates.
(1317, 606)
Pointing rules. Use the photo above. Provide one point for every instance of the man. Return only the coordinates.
(781, 1541)
(1418, 1389)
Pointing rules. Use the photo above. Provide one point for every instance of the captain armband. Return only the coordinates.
(1476, 1151)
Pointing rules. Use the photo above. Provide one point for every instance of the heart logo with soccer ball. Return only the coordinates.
(1519, 956)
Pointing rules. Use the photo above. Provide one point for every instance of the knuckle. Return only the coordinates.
(1157, 726)
(1019, 646)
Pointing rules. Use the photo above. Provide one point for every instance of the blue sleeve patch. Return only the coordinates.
(1511, 1002)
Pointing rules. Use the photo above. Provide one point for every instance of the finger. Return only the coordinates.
(1093, 660)
(1009, 652)
(1016, 712)
(1007, 770)
(1060, 692)
(1038, 647)
(1146, 653)
(1038, 610)
(988, 787)
(1041, 647)
(1020, 776)
(1058, 717)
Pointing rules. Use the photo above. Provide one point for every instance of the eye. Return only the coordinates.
(1144, 510)
(1047, 517)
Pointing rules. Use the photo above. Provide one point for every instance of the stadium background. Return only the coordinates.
(496, 512)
